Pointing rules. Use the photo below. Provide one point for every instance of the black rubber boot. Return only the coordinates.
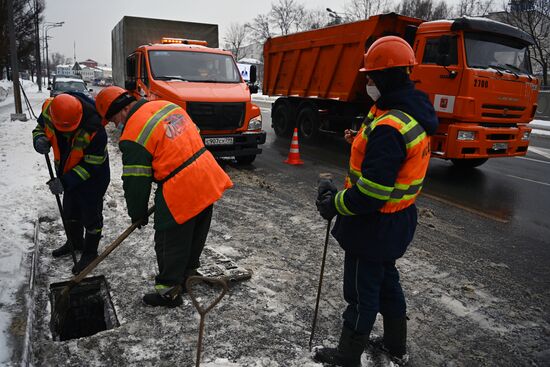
(75, 231)
(164, 296)
(395, 339)
(89, 253)
(349, 350)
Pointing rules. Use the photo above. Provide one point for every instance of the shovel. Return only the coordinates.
(60, 206)
(60, 312)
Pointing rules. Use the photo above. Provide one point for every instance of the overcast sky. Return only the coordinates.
(88, 24)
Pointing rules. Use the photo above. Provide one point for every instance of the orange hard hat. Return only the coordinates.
(388, 52)
(105, 99)
(66, 112)
(46, 103)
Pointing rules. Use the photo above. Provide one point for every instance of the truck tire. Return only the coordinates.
(308, 124)
(245, 159)
(282, 121)
(468, 163)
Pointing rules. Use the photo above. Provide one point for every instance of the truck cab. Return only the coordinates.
(207, 84)
(477, 73)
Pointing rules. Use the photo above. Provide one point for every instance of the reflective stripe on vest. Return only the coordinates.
(410, 179)
(137, 170)
(150, 125)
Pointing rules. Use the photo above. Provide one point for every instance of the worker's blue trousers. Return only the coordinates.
(371, 287)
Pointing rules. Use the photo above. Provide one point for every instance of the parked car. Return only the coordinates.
(65, 84)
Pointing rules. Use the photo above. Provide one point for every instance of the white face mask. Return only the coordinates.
(373, 92)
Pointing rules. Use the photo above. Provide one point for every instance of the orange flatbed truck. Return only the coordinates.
(476, 71)
(153, 61)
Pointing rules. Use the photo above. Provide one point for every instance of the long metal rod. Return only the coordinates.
(320, 284)
(60, 206)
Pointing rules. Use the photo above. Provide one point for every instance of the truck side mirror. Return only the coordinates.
(130, 84)
(253, 75)
(443, 49)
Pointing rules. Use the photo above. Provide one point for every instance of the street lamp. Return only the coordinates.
(47, 26)
(337, 16)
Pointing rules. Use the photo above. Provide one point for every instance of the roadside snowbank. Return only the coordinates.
(22, 197)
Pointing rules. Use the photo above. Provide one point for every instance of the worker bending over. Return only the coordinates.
(70, 125)
(161, 144)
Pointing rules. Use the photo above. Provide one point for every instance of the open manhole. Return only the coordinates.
(90, 309)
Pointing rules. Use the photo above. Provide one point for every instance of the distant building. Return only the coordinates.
(89, 63)
(64, 70)
(88, 74)
(107, 72)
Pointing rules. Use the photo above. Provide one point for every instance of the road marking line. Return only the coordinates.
(526, 179)
(534, 160)
(460, 206)
(540, 151)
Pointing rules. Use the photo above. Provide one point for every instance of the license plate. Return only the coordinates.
(218, 141)
(500, 146)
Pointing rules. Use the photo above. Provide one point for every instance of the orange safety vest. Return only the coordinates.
(411, 175)
(191, 178)
(80, 140)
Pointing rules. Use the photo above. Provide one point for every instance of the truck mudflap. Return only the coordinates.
(234, 145)
(487, 142)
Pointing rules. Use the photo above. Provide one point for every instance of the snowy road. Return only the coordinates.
(477, 287)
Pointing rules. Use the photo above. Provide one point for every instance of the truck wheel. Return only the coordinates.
(282, 123)
(245, 159)
(308, 122)
(468, 163)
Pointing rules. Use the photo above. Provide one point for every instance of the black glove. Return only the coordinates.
(55, 185)
(143, 221)
(42, 145)
(325, 185)
(325, 206)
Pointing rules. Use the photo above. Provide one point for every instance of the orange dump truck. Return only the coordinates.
(476, 72)
(151, 62)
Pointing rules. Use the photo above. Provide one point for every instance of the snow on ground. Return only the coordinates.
(22, 197)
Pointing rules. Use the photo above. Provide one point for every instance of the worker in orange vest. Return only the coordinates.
(376, 215)
(160, 143)
(70, 125)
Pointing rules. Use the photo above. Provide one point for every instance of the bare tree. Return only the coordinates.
(235, 39)
(362, 9)
(286, 15)
(259, 29)
(423, 9)
(533, 17)
(314, 19)
(474, 7)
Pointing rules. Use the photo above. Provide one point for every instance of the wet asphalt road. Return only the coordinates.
(511, 191)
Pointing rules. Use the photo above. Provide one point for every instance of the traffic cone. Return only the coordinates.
(294, 154)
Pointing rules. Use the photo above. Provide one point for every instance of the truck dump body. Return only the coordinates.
(132, 32)
(309, 64)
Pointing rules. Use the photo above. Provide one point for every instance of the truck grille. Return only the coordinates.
(501, 111)
(217, 116)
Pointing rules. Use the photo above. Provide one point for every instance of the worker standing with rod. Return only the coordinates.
(376, 215)
(71, 126)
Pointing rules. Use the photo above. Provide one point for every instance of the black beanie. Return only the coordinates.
(118, 104)
(389, 80)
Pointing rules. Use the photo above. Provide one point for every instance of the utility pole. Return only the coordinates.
(38, 59)
(18, 115)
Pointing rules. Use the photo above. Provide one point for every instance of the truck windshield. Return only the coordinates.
(487, 50)
(193, 67)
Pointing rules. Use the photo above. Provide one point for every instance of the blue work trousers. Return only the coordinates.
(371, 287)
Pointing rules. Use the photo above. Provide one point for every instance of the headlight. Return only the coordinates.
(526, 135)
(466, 135)
(255, 123)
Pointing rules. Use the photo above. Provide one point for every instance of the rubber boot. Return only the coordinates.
(89, 253)
(395, 339)
(165, 296)
(349, 350)
(75, 231)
